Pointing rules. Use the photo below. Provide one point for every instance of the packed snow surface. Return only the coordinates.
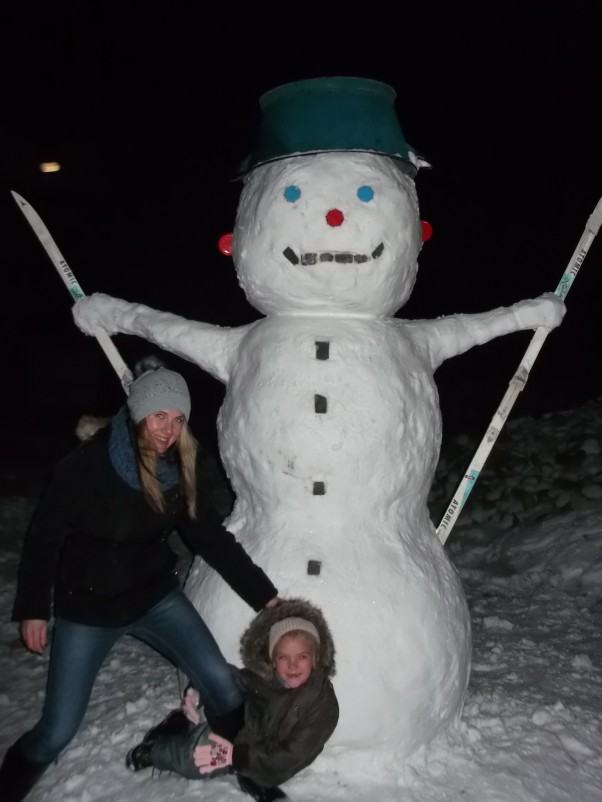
(528, 548)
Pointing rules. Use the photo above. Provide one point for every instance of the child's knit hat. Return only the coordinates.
(286, 625)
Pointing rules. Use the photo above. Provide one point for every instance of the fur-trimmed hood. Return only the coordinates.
(88, 425)
(254, 642)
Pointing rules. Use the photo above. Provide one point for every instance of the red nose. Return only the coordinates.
(335, 217)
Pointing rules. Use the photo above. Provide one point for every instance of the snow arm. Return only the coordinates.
(453, 335)
(212, 348)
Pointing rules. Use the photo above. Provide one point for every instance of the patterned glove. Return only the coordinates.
(213, 756)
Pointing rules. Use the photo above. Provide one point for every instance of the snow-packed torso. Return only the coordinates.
(345, 408)
(330, 433)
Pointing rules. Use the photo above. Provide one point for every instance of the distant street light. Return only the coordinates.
(50, 167)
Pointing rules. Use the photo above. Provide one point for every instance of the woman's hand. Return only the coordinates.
(273, 602)
(34, 632)
(213, 756)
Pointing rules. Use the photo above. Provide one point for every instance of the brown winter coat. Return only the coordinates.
(285, 729)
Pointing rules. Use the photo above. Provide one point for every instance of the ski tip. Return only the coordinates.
(18, 198)
(595, 220)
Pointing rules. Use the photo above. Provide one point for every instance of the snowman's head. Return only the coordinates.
(328, 233)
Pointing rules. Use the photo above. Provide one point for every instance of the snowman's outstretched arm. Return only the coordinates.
(211, 347)
(453, 335)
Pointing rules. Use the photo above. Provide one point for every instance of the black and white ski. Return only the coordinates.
(76, 292)
(517, 382)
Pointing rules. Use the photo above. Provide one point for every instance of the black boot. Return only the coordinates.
(139, 758)
(174, 723)
(228, 725)
(18, 775)
(258, 792)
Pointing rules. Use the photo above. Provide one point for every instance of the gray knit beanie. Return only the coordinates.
(155, 390)
(287, 625)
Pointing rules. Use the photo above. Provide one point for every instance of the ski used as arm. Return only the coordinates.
(517, 382)
(76, 292)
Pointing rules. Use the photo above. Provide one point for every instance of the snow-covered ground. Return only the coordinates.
(528, 547)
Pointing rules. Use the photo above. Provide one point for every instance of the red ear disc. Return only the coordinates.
(427, 230)
(224, 243)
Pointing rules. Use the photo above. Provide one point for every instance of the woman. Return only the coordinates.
(98, 539)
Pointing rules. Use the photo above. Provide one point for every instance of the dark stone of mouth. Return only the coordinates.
(340, 258)
(291, 256)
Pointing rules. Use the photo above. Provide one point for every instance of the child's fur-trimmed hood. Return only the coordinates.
(254, 642)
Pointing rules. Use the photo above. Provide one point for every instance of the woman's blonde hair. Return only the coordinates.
(185, 449)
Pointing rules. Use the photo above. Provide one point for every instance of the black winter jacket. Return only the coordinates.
(285, 729)
(104, 551)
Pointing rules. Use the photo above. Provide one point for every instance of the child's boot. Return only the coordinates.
(258, 792)
(229, 724)
(139, 757)
(174, 723)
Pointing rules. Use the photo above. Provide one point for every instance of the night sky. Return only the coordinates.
(149, 112)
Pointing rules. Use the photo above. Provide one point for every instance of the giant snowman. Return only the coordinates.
(330, 428)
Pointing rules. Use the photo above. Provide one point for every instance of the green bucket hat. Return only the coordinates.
(329, 114)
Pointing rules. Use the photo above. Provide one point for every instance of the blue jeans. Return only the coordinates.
(173, 627)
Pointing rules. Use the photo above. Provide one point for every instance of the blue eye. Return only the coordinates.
(292, 193)
(365, 193)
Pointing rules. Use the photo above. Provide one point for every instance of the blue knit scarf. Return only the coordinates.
(123, 455)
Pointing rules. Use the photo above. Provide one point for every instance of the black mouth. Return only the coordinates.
(342, 257)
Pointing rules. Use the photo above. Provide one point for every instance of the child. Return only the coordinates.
(290, 710)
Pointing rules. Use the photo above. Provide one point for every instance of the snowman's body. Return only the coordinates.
(330, 432)
(332, 504)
